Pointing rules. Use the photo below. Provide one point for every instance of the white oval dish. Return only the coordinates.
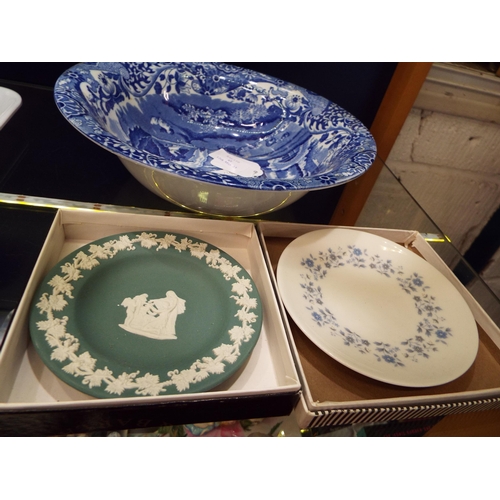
(10, 102)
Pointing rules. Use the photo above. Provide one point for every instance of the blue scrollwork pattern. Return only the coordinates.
(170, 116)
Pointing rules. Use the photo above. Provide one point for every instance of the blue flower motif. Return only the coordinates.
(317, 316)
(309, 262)
(293, 102)
(441, 334)
(388, 359)
(418, 282)
(357, 252)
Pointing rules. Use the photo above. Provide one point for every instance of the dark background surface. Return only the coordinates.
(357, 87)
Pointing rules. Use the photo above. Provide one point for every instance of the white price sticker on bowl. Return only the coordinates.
(234, 164)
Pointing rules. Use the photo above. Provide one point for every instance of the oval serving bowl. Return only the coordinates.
(215, 138)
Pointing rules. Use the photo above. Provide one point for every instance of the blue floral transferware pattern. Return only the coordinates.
(377, 307)
(172, 116)
(430, 332)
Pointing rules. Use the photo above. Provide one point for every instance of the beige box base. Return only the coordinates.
(335, 395)
(31, 395)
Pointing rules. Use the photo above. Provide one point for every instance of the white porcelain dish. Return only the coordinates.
(215, 138)
(10, 102)
(377, 308)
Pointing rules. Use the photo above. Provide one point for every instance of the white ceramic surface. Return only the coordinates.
(377, 308)
(10, 102)
(209, 198)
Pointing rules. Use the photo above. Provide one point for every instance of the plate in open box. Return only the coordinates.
(144, 314)
(377, 307)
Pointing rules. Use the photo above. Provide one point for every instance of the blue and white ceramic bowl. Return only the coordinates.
(215, 138)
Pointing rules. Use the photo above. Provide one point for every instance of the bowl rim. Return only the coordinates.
(72, 105)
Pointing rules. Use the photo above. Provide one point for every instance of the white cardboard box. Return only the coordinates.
(34, 401)
(334, 395)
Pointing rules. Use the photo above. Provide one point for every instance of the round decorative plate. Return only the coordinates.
(196, 119)
(377, 308)
(145, 314)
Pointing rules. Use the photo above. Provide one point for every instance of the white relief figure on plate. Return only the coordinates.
(154, 318)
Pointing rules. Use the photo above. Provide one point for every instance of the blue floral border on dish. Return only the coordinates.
(430, 332)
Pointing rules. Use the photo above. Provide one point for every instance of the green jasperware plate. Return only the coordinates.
(146, 314)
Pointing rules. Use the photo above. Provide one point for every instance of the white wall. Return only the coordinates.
(448, 155)
(451, 165)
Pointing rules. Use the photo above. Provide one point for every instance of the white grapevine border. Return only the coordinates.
(66, 347)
